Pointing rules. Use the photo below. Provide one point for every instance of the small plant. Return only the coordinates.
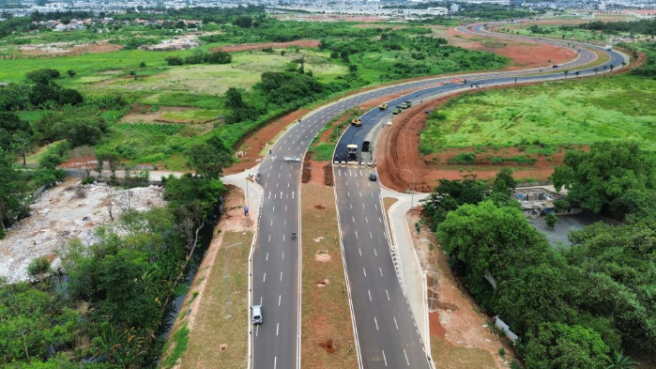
(39, 266)
(88, 180)
(502, 352)
(142, 65)
(515, 365)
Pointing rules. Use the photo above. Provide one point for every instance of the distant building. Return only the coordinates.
(455, 8)
(601, 6)
(516, 3)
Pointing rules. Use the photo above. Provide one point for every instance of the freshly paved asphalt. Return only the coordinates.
(276, 277)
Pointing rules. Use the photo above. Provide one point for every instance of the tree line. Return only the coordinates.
(580, 307)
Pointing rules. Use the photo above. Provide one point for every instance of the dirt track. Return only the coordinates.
(246, 47)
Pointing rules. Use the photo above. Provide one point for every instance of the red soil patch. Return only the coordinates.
(329, 345)
(85, 162)
(436, 329)
(246, 47)
(523, 54)
(253, 143)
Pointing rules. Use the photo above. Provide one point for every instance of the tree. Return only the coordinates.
(209, 159)
(596, 70)
(85, 131)
(577, 73)
(566, 73)
(612, 66)
(71, 73)
(44, 76)
(491, 239)
(142, 65)
(39, 266)
(71, 97)
(450, 195)
(219, 57)
(353, 68)
(243, 21)
(238, 109)
(601, 179)
(618, 360)
(12, 190)
(174, 60)
(551, 220)
(43, 94)
(560, 346)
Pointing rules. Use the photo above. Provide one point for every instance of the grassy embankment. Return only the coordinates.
(545, 118)
(202, 346)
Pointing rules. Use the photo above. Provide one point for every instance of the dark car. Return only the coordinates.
(373, 177)
(555, 66)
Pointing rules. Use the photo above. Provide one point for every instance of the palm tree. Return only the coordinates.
(596, 70)
(566, 73)
(577, 73)
(623, 64)
(611, 67)
(618, 360)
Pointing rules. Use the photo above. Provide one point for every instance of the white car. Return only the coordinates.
(257, 314)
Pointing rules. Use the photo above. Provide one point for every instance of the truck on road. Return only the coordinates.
(352, 152)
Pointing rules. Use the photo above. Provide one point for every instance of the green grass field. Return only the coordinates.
(578, 112)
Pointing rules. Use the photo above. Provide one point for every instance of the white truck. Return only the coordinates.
(351, 152)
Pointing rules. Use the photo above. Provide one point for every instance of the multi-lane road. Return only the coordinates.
(387, 333)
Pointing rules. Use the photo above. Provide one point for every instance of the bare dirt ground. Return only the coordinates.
(523, 54)
(64, 48)
(205, 307)
(461, 337)
(253, 145)
(246, 47)
(67, 211)
(328, 340)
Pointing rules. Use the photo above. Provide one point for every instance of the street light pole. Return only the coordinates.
(412, 195)
(226, 276)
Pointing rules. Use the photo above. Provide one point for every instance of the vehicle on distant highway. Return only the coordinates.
(373, 177)
(357, 122)
(257, 314)
(397, 110)
(555, 66)
(383, 106)
(406, 104)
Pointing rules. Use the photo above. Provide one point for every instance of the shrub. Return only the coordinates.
(38, 266)
(88, 180)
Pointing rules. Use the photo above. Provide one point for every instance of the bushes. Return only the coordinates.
(199, 57)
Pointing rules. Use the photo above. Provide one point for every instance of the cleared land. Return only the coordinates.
(69, 210)
(328, 340)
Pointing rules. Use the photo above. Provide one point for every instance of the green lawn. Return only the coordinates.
(557, 113)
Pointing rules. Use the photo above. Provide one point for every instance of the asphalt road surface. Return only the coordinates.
(276, 268)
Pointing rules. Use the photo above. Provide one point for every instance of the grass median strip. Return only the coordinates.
(326, 327)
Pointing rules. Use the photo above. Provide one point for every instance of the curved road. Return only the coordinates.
(386, 332)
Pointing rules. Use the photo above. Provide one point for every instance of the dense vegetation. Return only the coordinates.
(496, 12)
(109, 310)
(573, 308)
(644, 27)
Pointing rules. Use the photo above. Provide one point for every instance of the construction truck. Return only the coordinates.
(352, 152)
(383, 106)
(406, 104)
(356, 122)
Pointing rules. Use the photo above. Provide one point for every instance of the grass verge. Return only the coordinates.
(325, 306)
(208, 338)
(388, 202)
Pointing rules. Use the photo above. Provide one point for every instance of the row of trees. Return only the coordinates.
(574, 308)
(200, 57)
(644, 26)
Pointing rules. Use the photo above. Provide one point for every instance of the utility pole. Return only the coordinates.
(226, 276)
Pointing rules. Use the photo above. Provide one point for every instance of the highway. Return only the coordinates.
(386, 330)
